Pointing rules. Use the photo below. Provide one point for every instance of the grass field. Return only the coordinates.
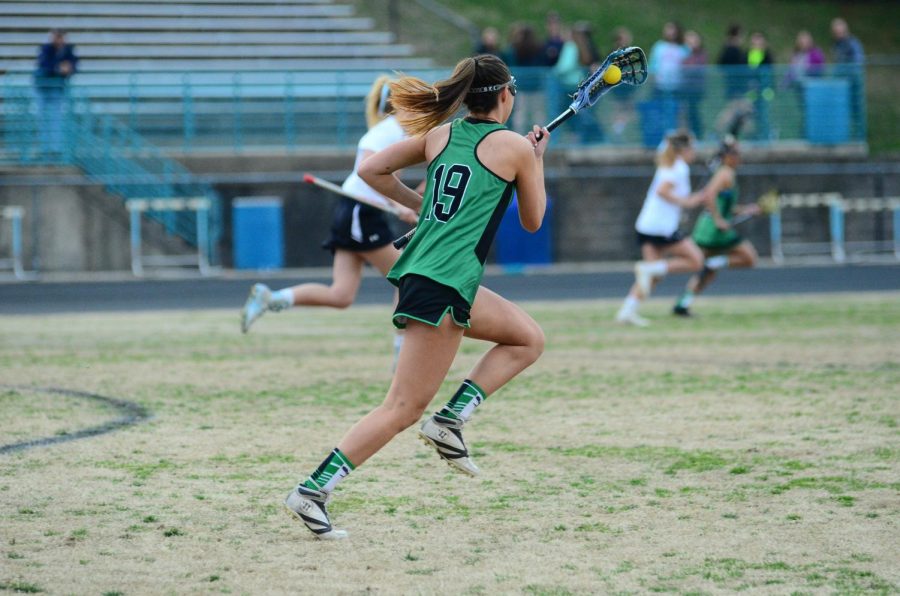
(755, 448)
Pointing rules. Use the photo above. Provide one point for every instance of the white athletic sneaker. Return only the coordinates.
(308, 506)
(256, 305)
(632, 318)
(445, 435)
(644, 278)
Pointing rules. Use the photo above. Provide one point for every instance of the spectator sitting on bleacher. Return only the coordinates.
(847, 48)
(577, 59)
(623, 94)
(489, 42)
(693, 82)
(734, 59)
(525, 59)
(56, 63)
(849, 59)
(808, 60)
(665, 60)
(760, 90)
(554, 42)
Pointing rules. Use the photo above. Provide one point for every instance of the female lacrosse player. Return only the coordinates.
(359, 233)
(722, 246)
(663, 249)
(474, 165)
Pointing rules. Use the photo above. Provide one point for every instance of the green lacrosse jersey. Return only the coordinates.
(462, 207)
(706, 234)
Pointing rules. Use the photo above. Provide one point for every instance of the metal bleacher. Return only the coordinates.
(201, 35)
(183, 73)
(155, 75)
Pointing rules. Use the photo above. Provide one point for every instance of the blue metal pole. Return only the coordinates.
(897, 232)
(289, 126)
(17, 243)
(135, 220)
(188, 113)
(236, 90)
(836, 217)
(775, 237)
(203, 240)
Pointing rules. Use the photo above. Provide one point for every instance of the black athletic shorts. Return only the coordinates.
(358, 228)
(722, 246)
(425, 300)
(659, 240)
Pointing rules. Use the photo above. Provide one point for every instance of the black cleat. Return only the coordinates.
(681, 311)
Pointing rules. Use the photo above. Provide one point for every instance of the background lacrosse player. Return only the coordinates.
(359, 233)
(663, 248)
(714, 233)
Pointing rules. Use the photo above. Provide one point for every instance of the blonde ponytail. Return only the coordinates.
(427, 106)
(378, 104)
(676, 142)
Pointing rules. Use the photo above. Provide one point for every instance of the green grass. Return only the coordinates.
(735, 452)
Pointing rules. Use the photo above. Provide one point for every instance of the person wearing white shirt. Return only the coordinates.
(663, 249)
(360, 233)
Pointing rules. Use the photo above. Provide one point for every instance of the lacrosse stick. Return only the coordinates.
(768, 204)
(310, 179)
(627, 66)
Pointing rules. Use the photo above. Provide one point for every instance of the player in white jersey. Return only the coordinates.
(359, 233)
(663, 249)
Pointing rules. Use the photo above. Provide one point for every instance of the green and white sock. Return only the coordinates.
(281, 299)
(335, 468)
(468, 397)
(686, 299)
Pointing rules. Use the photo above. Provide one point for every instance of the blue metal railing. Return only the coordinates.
(62, 126)
(216, 111)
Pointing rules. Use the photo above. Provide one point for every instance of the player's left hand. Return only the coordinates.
(540, 146)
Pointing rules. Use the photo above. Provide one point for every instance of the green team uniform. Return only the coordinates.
(462, 207)
(707, 235)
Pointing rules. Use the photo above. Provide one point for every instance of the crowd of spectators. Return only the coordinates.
(679, 66)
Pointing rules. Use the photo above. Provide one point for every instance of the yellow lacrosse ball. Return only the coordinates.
(612, 75)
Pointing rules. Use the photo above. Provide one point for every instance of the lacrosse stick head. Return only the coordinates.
(631, 62)
(768, 203)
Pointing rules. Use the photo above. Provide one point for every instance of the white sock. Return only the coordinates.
(630, 305)
(717, 262)
(656, 268)
(281, 300)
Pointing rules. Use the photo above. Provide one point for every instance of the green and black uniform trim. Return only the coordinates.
(463, 205)
(707, 235)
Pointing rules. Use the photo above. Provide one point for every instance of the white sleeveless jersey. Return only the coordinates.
(659, 217)
(382, 135)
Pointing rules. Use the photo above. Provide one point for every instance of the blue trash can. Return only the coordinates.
(827, 103)
(516, 246)
(258, 233)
